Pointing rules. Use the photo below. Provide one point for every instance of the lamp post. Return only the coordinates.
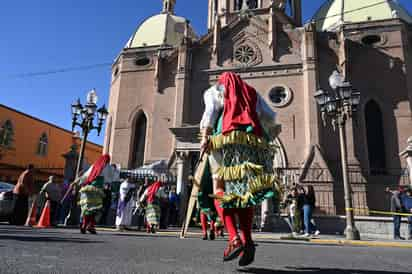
(338, 106)
(84, 116)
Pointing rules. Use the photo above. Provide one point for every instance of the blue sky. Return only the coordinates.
(67, 33)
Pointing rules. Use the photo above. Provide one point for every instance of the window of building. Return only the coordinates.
(6, 134)
(251, 4)
(43, 145)
(116, 72)
(245, 54)
(139, 141)
(371, 39)
(143, 61)
(375, 138)
(280, 96)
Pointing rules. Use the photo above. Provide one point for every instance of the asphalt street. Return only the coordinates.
(27, 250)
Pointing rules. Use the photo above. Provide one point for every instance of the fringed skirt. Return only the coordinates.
(245, 163)
(91, 200)
(153, 214)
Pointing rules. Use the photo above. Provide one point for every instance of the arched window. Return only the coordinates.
(375, 138)
(251, 4)
(6, 134)
(289, 7)
(139, 141)
(238, 4)
(43, 145)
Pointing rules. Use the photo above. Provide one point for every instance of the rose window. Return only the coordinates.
(245, 54)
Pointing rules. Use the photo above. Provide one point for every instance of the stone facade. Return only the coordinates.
(287, 63)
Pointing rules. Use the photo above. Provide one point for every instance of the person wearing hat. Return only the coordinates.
(91, 191)
(52, 190)
(151, 197)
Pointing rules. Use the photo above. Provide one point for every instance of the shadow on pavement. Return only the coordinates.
(30, 230)
(125, 234)
(304, 270)
(48, 239)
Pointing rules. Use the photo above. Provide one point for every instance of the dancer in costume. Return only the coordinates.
(206, 205)
(91, 190)
(152, 196)
(219, 227)
(235, 127)
(125, 206)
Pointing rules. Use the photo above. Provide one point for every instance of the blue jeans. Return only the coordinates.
(396, 226)
(307, 216)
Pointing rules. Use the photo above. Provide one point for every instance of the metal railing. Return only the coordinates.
(165, 175)
(368, 187)
(290, 176)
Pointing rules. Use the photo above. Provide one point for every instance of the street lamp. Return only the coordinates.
(340, 105)
(83, 116)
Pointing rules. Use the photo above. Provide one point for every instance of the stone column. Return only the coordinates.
(266, 223)
(180, 171)
(310, 85)
(407, 154)
(181, 184)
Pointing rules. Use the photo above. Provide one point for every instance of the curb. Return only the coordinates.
(289, 238)
(362, 243)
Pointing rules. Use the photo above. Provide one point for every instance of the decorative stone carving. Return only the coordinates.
(247, 54)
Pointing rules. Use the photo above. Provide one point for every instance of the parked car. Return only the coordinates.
(7, 201)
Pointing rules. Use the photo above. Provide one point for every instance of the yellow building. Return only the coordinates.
(28, 140)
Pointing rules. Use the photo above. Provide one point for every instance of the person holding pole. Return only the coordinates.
(236, 131)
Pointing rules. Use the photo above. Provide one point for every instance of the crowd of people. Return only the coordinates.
(236, 155)
(300, 203)
(153, 202)
(147, 203)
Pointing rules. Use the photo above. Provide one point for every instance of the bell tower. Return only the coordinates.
(169, 6)
(225, 9)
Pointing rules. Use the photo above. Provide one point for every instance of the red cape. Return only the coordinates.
(152, 190)
(97, 169)
(239, 104)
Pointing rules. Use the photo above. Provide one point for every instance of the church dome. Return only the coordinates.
(161, 30)
(336, 12)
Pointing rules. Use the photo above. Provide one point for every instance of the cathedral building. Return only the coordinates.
(160, 75)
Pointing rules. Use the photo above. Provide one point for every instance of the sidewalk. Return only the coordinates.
(285, 237)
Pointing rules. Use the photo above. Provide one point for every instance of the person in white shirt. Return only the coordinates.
(127, 200)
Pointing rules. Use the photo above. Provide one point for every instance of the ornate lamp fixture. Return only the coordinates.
(339, 105)
(84, 116)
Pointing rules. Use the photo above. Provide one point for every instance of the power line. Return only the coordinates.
(354, 10)
(89, 67)
(62, 70)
